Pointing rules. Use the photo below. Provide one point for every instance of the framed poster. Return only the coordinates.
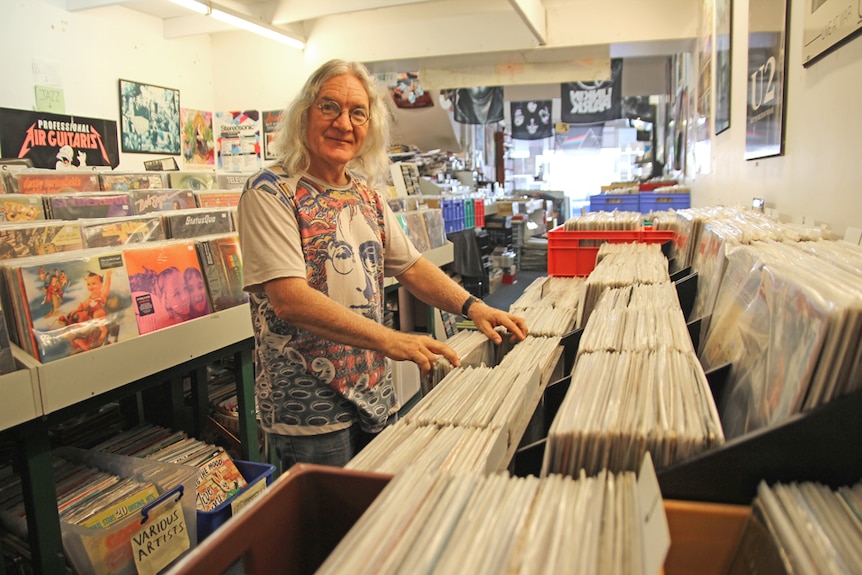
(723, 25)
(767, 62)
(149, 119)
(829, 23)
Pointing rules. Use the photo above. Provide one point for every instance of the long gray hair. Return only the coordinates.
(291, 142)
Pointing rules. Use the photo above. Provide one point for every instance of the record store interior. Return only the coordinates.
(524, 403)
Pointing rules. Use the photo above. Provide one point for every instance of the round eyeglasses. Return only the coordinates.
(331, 110)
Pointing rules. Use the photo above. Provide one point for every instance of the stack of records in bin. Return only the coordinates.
(219, 477)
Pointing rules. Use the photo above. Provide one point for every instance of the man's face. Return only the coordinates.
(333, 143)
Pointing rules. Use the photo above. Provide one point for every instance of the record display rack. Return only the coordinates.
(43, 394)
(70, 386)
(822, 445)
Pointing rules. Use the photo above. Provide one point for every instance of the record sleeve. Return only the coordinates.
(167, 284)
(21, 208)
(148, 201)
(218, 198)
(231, 181)
(416, 230)
(196, 223)
(89, 205)
(219, 479)
(114, 232)
(132, 181)
(192, 180)
(436, 227)
(76, 303)
(52, 182)
(39, 238)
(221, 261)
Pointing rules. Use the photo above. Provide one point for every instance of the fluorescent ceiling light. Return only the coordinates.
(241, 21)
(259, 29)
(194, 6)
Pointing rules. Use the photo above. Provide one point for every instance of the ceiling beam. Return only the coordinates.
(532, 12)
(297, 10)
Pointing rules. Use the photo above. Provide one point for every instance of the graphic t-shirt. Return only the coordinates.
(343, 240)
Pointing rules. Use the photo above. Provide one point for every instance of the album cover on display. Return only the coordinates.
(192, 180)
(88, 205)
(167, 283)
(51, 182)
(21, 208)
(232, 181)
(110, 181)
(221, 261)
(114, 232)
(147, 201)
(416, 230)
(218, 198)
(199, 222)
(39, 238)
(73, 303)
(435, 226)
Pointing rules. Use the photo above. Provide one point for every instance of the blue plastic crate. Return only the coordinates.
(209, 521)
(611, 202)
(659, 202)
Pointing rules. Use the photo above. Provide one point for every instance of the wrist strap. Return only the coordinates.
(465, 309)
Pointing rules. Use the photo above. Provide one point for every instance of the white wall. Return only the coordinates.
(93, 49)
(817, 175)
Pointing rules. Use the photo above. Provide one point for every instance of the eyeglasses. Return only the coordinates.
(331, 110)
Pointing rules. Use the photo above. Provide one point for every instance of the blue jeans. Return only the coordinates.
(335, 448)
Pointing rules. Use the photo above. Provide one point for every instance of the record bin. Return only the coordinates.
(573, 253)
(108, 550)
(293, 527)
(611, 202)
(253, 473)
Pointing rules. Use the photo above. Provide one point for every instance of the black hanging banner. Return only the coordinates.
(483, 105)
(531, 120)
(58, 141)
(592, 102)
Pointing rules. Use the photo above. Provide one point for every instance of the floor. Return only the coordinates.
(506, 294)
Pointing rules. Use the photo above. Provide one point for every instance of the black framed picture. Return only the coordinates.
(149, 118)
(767, 62)
(723, 52)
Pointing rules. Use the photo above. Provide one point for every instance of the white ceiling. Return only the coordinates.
(449, 33)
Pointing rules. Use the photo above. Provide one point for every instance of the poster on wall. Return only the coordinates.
(57, 141)
(568, 137)
(767, 61)
(197, 138)
(531, 120)
(238, 141)
(149, 118)
(407, 92)
(828, 23)
(723, 21)
(479, 105)
(593, 102)
(271, 119)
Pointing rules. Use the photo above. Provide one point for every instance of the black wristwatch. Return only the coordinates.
(465, 309)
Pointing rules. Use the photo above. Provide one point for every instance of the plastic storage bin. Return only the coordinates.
(658, 201)
(611, 202)
(573, 253)
(254, 473)
(109, 550)
(479, 212)
(469, 213)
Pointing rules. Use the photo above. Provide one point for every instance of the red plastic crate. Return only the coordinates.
(479, 212)
(573, 253)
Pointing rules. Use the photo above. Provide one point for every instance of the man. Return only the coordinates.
(317, 241)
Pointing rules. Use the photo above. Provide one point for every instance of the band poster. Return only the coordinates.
(58, 141)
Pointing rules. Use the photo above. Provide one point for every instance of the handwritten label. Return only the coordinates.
(161, 540)
(247, 496)
(50, 99)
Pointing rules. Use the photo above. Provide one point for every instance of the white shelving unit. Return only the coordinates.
(21, 397)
